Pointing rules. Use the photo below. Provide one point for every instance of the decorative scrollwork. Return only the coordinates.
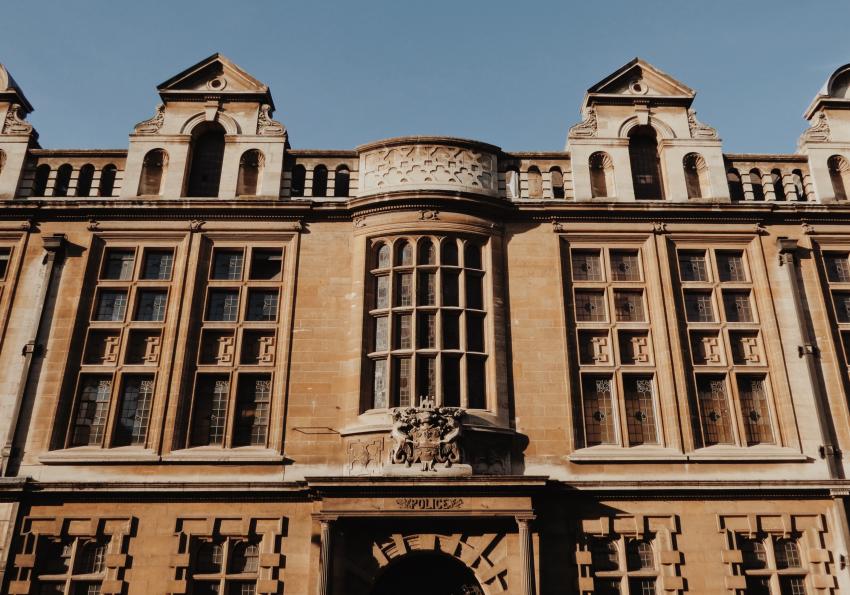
(152, 125)
(587, 128)
(15, 123)
(819, 131)
(266, 126)
(698, 129)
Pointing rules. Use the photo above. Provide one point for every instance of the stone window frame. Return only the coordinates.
(810, 531)
(724, 365)
(156, 358)
(16, 244)
(654, 325)
(116, 531)
(661, 530)
(438, 352)
(839, 330)
(268, 532)
(279, 329)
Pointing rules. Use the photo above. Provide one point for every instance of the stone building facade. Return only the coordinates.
(425, 365)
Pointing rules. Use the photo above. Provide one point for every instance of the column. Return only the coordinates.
(325, 562)
(526, 554)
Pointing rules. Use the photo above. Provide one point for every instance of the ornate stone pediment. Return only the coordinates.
(427, 435)
(641, 78)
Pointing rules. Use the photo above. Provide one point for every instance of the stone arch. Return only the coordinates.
(230, 125)
(424, 573)
(485, 555)
(663, 130)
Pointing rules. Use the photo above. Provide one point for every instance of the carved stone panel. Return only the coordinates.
(365, 457)
(429, 166)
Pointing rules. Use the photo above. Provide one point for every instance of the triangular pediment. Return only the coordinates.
(10, 91)
(641, 78)
(215, 75)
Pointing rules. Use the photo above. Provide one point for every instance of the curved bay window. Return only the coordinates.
(427, 312)
(645, 162)
(207, 157)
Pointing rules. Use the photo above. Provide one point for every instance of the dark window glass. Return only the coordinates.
(837, 267)
(223, 305)
(136, 399)
(118, 265)
(253, 401)
(698, 307)
(227, 265)
(714, 410)
(476, 385)
(158, 265)
(754, 408)
(625, 265)
(5, 256)
(262, 304)
(92, 410)
(84, 180)
(151, 304)
(629, 306)
(587, 265)
(590, 306)
(299, 177)
(646, 167)
(111, 305)
(640, 410)
(42, 175)
(692, 266)
(598, 410)
(210, 410)
(206, 159)
(451, 381)
(730, 266)
(737, 306)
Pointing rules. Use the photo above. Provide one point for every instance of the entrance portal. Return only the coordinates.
(427, 574)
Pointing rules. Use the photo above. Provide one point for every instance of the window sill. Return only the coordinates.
(767, 454)
(223, 455)
(89, 455)
(634, 454)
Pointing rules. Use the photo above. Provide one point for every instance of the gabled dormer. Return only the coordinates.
(212, 136)
(827, 141)
(16, 134)
(640, 140)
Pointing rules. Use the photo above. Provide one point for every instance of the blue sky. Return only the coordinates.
(348, 72)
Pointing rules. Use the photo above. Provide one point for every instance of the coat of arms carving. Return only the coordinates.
(427, 435)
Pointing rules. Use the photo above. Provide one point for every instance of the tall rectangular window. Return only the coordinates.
(429, 293)
(136, 399)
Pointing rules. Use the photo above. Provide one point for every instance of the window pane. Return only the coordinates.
(641, 586)
(211, 394)
(639, 554)
(253, 399)
(606, 586)
(111, 305)
(266, 264)
(604, 554)
(837, 267)
(245, 557)
(426, 334)
(692, 266)
(242, 588)
(92, 409)
(209, 557)
(758, 585)
(5, 255)
(151, 305)
(714, 410)
(158, 264)
(625, 265)
(629, 306)
(403, 335)
(51, 588)
(736, 305)
(53, 555)
(404, 290)
(792, 585)
(590, 306)
(476, 389)
(842, 305)
(587, 265)
(598, 411)
(427, 288)
(426, 377)
(118, 265)
(86, 588)
(474, 291)
(227, 264)
(451, 381)
(383, 257)
(451, 330)
(787, 553)
(730, 266)
(450, 288)
(448, 252)
(402, 382)
(640, 410)
(404, 254)
(698, 306)
(205, 588)
(472, 256)
(262, 304)
(754, 408)
(381, 333)
(91, 557)
(379, 386)
(427, 252)
(753, 551)
(382, 292)
(223, 305)
(474, 332)
(136, 400)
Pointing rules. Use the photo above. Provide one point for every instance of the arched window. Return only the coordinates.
(63, 180)
(299, 177)
(107, 180)
(799, 186)
(209, 557)
(250, 167)
(85, 179)
(601, 175)
(736, 188)
(342, 181)
(696, 175)
(639, 554)
(244, 557)
(207, 155)
(778, 186)
(535, 183)
(153, 168)
(839, 175)
(42, 174)
(557, 179)
(320, 181)
(91, 558)
(512, 183)
(646, 165)
(755, 182)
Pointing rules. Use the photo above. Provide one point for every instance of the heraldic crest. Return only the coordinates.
(426, 434)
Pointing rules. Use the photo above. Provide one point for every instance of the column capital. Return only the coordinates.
(524, 518)
(787, 249)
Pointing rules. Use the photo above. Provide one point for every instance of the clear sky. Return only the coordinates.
(348, 72)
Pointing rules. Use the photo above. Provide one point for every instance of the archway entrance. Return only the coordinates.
(427, 574)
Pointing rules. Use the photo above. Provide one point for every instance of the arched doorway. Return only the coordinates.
(427, 574)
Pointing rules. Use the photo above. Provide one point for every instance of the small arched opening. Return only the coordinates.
(299, 178)
(42, 174)
(207, 156)
(778, 186)
(696, 175)
(736, 187)
(535, 183)
(557, 179)
(63, 180)
(153, 170)
(799, 185)
(426, 573)
(601, 175)
(320, 181)
(250, 171)
(646, 163)
(84, 180)
(512, 182)
(839, 175)
(342, 182)
(756, 184)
